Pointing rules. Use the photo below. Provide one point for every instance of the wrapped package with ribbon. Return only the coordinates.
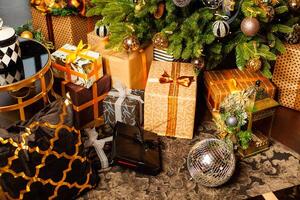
(78, 64)
(129, 68)
(219, 84)
(170, 99)
(87, 103)
(123, 105)
(62, 29)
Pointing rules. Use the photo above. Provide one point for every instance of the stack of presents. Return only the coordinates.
(141, 89)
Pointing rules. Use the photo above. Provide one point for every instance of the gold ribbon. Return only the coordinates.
(80, 50)
(185, 81)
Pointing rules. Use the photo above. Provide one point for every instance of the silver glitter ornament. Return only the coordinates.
(220, 28)
(231, 121)
(181, 3)
(211, 163)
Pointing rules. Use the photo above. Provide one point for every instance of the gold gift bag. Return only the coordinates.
(170, 99)
(286, 77)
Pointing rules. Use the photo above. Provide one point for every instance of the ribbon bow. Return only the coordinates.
(185, 81)
(122, 93)
(80, 49)
(98, 145)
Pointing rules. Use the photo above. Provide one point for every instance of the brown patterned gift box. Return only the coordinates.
(170, 99)
(219, 84)
(286, 77)
(124, 105)
(129, 68)
(62, 30)
(87, 103)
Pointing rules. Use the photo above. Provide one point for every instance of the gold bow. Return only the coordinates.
(185, 81)
(81, 49)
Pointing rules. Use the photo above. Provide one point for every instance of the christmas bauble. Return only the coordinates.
(101, 31)
(181, 3)
(27, 35)
(131, 43)
(253, 65)
(212, 4)
(250, 26)
(232, 121)
(160, 10)
(160, 41)
(74, 3)
(220, 28)
(294, 5)
(294, 37)
(199, 63)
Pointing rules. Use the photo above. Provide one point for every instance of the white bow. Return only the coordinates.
(122, 93)
(98, 145)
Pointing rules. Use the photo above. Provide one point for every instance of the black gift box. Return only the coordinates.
(137, 150)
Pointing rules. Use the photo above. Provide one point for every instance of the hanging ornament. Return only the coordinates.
(212, 4)
(294, 37)
(101, 31)
(254, 64)
(131, 43)
(160, 41)
(27, 35)
(220, 28)
(250, 26)
(181, 3)
(294, 5)
(199, 63)
(232, 121)
(73, 3)
(160, 10)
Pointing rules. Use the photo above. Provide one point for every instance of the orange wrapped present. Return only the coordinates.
(219, 84)
(170, 99)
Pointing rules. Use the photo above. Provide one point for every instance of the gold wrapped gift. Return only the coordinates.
(129, 68)
(170, 99)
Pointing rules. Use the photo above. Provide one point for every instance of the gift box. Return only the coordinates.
(123, 105)
(77, 64)
(162, 55)
(62, 29)
(170, 99)
(129, 68)
(87, 103)
(219, 84)
(286, 77)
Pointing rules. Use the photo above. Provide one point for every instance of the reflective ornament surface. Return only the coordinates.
(250, 26)
(211, 163)
(131, 43)
(254, 64)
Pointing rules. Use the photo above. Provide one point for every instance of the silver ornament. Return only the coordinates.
(294, 37)
(181, 3)
(231, 121)
(212, 4)
(211, 162)
(220, 28)
(101, 31)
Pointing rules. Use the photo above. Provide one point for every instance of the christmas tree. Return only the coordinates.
(202, 31)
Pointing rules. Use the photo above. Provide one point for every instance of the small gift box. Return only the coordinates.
(170, 99)
(78, 64)
(87, 103)
(123, 105)
(129, 68)
(219, 84)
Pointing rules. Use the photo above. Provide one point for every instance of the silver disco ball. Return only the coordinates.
(211, 162)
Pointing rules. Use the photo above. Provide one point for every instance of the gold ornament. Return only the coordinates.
(160, 10)
(75, 3)
(27, 35)
(228, 5)
(294, 4)
(253, 65)
(199, 63)
(131, 43)
(160, 41)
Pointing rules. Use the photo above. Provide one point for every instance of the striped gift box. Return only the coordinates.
(162, 55)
